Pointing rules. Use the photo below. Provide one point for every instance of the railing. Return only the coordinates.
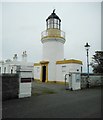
(47, 33)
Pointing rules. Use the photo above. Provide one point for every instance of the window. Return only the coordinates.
(55, 26)
(4, 69)
(48, 25)
(56, 23)
(11, 70)
(53, 23)
(77, 69)
(81, 69)
(63, 68)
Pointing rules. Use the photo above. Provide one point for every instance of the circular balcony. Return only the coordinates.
(53, 33)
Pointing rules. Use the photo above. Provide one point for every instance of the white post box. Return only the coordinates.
(25, 83)
(74, 81)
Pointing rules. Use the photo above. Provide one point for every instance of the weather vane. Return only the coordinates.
(53, 10)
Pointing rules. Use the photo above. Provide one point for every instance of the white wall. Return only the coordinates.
(26, 74)
(13, 65)
(62, 69)
(37, 70)
(53, 50)
(52, 71)
(1, 67)
(6, 68)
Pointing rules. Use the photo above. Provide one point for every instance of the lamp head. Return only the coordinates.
(87, 46)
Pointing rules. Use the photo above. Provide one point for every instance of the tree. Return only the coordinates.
(97, 62)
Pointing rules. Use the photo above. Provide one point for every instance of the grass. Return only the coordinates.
(48, 91)
(38, 92)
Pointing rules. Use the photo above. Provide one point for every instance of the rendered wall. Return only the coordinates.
(53, 51)
(37, 70)
(62, 69)
(52, 71)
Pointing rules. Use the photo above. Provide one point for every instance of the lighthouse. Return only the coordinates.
(53, 67)
(53, 39)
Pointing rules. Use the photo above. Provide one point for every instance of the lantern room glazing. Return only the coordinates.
(53, 21)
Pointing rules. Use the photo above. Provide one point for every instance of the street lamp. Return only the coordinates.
(87, 46)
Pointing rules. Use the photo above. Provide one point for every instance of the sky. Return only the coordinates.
(23, 22)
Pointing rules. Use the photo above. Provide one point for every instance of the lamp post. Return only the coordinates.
(87, 46)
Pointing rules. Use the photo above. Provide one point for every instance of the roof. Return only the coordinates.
(69, 61)
(41, 62)
(53, 15)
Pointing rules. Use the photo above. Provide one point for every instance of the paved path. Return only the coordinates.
(55, 102)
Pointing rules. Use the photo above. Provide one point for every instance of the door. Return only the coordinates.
(43, 73)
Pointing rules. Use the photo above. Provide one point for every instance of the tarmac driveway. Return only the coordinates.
(53, 101)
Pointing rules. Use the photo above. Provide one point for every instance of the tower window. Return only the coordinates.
(4, 69)
(53, 23)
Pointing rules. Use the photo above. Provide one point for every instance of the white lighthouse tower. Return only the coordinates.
(53, 67)
(53, 40)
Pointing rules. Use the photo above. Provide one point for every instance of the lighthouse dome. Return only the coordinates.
(53, 16)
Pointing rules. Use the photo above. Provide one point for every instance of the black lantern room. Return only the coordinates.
(53, 21)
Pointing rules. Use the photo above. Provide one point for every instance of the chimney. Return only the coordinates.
(24, 57)
(15, 57)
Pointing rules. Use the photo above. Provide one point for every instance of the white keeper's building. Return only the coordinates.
(12, 66)
(53, 67)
